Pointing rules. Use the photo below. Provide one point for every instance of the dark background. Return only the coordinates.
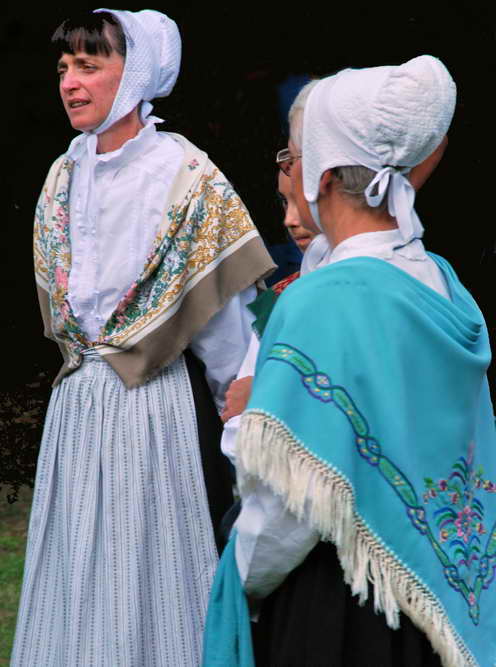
(235, 55)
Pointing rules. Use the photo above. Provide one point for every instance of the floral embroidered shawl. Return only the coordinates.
(370, 411)
(206, 250)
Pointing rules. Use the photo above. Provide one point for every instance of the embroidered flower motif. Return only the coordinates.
(128, 297)
(198, 232)
(61, 277)
(464, 524)
(458, 512)
(469, 563)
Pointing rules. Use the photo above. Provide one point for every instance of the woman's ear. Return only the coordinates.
(326, 181)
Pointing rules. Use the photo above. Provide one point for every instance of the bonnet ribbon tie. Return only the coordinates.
(401, 198)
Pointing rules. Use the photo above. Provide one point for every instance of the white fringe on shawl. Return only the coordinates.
(269, 451)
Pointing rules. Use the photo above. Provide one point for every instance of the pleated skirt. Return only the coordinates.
(121, 551)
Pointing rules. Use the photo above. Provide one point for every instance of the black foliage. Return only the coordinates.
(22, 412)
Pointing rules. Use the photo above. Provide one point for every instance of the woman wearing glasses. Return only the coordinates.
(307, 614)
(318, 255)
(239, 390)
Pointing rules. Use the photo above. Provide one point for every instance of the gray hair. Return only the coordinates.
(354, 179)
(295, 114)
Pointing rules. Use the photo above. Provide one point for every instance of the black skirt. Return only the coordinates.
(312, 620)
(217, 471)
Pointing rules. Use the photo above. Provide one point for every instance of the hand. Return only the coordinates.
(421, 172)
(237, 397)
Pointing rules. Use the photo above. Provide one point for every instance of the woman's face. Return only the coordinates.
(298, 233)
(88, 85)
(296, 178)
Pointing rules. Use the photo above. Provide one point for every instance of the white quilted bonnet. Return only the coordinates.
(388, 119)
(153, 58)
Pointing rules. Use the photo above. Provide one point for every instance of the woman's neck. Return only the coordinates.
(116, 136)
(341, 220)
(342, 230)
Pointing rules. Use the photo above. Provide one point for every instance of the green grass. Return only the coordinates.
(13, 530)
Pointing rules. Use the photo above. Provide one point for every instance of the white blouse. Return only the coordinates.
(271, 541)
(113, 225)
(114, 217)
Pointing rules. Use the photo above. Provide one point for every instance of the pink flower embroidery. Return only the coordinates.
(62, 219)
(128, 297)
(443, 484)
(64, 310)
(61, 278)
(464, 523)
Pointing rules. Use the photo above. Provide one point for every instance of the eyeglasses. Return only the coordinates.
(285, 160)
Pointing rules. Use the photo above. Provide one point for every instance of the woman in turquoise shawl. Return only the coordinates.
(370, 416)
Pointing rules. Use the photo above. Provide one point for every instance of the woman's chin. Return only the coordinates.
(303, 243)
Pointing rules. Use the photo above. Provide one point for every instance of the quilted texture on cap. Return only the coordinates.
(375, 117)
(153, 58)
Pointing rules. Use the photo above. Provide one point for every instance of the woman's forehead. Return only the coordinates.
(80, 57)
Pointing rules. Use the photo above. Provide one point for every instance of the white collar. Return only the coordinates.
(132, 148)
(383, 244)
(316, 255)
(129, 150)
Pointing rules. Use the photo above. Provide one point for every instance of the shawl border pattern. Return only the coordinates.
(271, 452)
(206, 250)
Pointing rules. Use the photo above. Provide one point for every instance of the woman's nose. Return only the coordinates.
(290, 220)
(69, 81)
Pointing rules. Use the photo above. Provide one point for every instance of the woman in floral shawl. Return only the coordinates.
(145, 258)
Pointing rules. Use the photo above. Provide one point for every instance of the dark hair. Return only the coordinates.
(94, 34)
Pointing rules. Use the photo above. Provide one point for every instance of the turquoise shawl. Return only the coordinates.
(371, 416)
(227, 639)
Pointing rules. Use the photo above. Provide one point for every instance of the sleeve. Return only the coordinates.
(223, 342)
(228, 441)
(271, 541)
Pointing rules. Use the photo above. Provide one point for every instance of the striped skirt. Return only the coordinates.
(121, 551)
